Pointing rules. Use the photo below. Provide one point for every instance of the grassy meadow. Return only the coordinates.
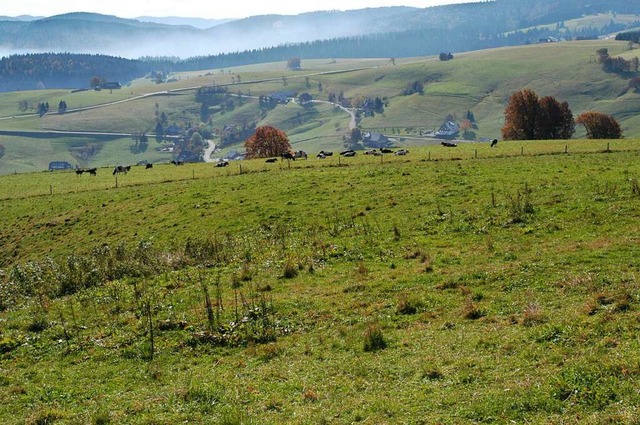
(480, 82)
(453, 286)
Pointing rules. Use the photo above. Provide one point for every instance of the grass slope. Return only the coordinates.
(431, 288)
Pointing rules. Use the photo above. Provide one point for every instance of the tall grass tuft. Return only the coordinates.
(290, 269)
(635, 186)
(520, 205)
(374, 339)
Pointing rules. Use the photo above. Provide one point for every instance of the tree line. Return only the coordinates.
(529, 117)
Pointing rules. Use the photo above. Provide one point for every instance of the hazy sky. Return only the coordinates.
(198, 8)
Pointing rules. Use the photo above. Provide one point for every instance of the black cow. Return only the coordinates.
(288, 155)
(174, 162)
(146, 167)
(349, 152)
(79, 171)
(222, 164)
(92, 171)
(326, 153)
(270, 160)
(494, 142)
(385, 150)
(121, 169)
(449, 144)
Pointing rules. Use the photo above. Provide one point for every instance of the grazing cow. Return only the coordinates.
(401, 152)
(326, 153)
(92, 171)
(121, 169)
(174, 162)
(449, 144)
(222, 164)
(300, 154)
(271, 160)
(494, 142)
(288, 155)
(79, 171)
(149, 165)
(385, 150)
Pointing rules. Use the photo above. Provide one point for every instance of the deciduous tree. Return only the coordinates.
(528, 117)
(520, 116)
(294, 64)
(267, 142)
(600, 126)
(555, 120)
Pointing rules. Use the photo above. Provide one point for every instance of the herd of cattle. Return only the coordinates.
(289, 156)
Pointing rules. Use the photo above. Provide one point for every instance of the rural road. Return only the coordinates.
(352, 123)
(211, 148)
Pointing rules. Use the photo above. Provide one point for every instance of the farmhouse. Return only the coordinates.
(283, 96)
(110, 85)
(375, 140)
(448, 129)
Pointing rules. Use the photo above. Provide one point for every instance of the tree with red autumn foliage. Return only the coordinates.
(528, 117)
(600, 126)
(267, 142)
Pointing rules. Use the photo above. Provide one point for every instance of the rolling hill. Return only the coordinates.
(480, 82)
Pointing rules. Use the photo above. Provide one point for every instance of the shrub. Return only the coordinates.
(600, 126)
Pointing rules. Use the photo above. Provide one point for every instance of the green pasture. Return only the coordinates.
(598, 20)
(451, 285)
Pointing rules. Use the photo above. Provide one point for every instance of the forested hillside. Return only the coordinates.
(376, 32)
(64, 70)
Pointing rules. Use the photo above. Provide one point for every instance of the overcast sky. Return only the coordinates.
(198, 8)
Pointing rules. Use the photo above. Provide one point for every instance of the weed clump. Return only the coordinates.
(432, 375)
(407, 306)
(533, 315)
(289, 269)
(471, 311)
(309, 395)
(374, 339)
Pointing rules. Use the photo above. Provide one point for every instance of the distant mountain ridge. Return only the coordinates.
(373, 32)
(180, 37)
(200, 23)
